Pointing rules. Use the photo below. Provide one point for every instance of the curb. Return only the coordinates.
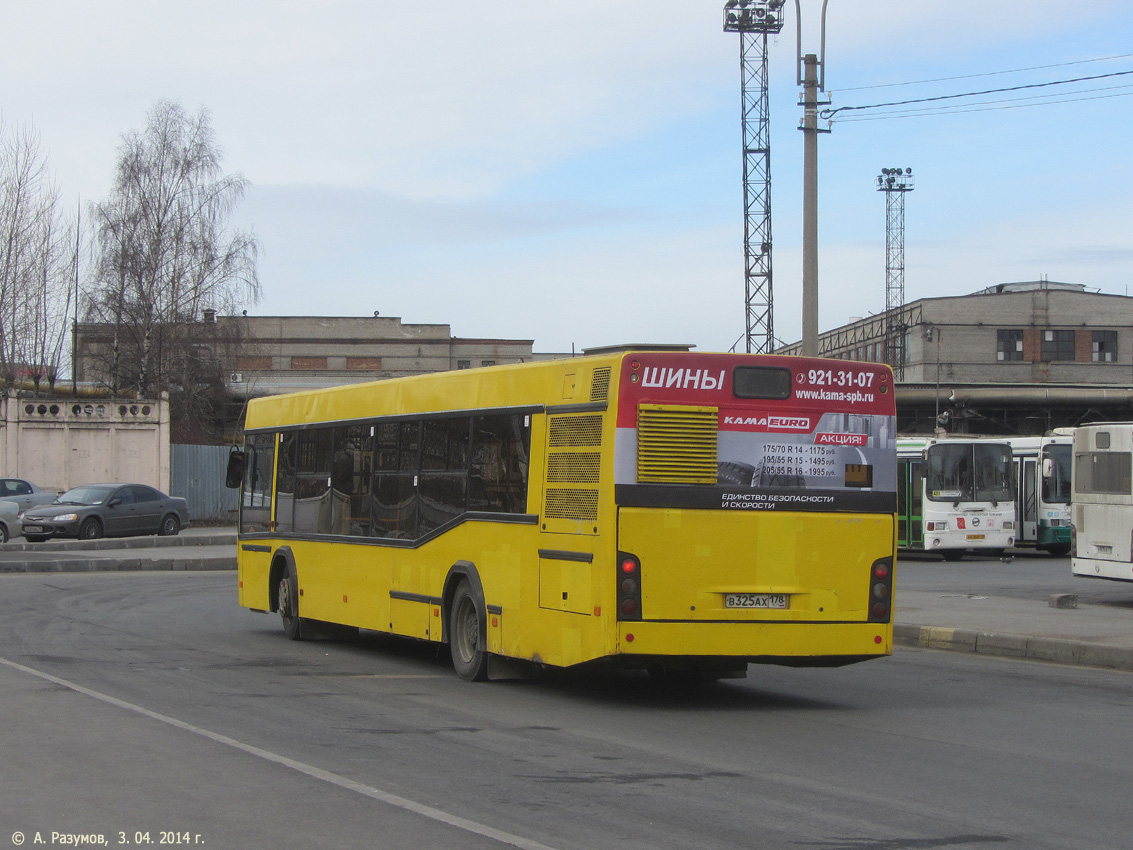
(147, 541)
(1058, 650)
(116, 565)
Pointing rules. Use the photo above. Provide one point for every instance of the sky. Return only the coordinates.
(571, 173)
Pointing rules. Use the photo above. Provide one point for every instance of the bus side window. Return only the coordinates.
(500, 450)
(285, 482)
(396, 447)
(255, 503)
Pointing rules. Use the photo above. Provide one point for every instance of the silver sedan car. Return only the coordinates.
(24, 493)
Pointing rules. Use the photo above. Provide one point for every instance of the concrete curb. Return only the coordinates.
(116, 565)
(1058, 650)
(148, 541)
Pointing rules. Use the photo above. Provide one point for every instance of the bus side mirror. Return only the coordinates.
(235, 474)
(1048, 467)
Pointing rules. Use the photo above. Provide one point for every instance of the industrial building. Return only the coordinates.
(1015, 358)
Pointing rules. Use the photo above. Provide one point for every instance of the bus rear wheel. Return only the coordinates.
(465, 628)
(952, 554)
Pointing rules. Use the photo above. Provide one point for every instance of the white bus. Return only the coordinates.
(954, 495)
(1102, 501)
(1042, 487)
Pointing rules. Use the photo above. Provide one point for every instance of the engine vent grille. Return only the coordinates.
(676, 445)
(600, 384)
(573, 468)
(576, 431)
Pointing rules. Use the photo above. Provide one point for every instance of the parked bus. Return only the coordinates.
(1102, 501)
(954, 494)
(682, 512)
(1042, 487)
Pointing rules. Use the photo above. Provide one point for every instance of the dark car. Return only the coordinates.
(106, 510)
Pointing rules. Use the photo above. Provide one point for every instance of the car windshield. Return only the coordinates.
(85, 496)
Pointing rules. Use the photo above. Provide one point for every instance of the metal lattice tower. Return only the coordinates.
(754, 20)
(895, 183)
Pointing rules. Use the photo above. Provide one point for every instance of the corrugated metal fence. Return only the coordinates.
(197, 473)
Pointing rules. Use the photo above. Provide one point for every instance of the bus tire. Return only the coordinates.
(289, 604)
(466, 629)
(1059, 550)
(952, 554)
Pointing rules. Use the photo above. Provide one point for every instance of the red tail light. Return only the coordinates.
(881, 591)
(629, 587)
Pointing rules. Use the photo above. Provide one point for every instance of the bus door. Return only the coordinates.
(910, 528)
(1028, 504)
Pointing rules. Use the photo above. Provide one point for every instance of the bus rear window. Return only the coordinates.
(761, 382)
(1104, 472)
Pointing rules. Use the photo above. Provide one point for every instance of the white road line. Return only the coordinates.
(306, 769)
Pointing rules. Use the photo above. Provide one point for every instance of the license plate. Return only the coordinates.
(975, 537)
(32, 528)
(755, 600)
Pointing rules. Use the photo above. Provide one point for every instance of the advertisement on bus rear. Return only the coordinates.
(764, 433)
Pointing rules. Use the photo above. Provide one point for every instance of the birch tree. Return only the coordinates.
(38, 261)
(164, 254)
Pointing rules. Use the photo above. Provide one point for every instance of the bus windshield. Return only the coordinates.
(967, 472)
(1056, 473)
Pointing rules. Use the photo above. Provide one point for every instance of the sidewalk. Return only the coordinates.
(1094, 635)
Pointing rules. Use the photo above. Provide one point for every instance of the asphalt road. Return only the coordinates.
(149, 703)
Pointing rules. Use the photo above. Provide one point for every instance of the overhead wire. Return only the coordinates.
(992, 105)
(831, 113)
(989, 73)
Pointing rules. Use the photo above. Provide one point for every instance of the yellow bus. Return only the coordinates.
(677, 511)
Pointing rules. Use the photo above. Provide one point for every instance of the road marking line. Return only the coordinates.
(306, 769)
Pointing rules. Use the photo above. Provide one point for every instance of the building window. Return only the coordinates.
(308, 363)
(463, 364)
(1058, 345)
(250, 362)
(1009, 345)
(487, 362)
(1105, 347)
(363, 363)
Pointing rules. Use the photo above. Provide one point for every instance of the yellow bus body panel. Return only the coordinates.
(691, 558)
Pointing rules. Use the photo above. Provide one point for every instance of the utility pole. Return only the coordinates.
(754, 20)
(895, 183)
(811, 75)
(810, 206)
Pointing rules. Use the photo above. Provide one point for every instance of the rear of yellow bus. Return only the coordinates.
(756, 501)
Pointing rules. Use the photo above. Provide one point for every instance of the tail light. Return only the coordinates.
(629, 587)
(881, 591)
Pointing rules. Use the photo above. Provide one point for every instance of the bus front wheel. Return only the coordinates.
(289, 604)
(466, 628)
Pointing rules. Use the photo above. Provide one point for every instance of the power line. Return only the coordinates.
(944, 109)
(830, 113)
(986, 107)
(989, 73)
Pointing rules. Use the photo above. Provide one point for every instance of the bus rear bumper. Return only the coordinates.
(803, 644)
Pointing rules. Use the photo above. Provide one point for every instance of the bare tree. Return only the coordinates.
(37, 257)
(165, 255)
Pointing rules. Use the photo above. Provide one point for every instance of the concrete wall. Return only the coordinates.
(61, 442)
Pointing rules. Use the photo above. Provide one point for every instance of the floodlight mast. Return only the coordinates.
(754, 20)
(895, 183)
